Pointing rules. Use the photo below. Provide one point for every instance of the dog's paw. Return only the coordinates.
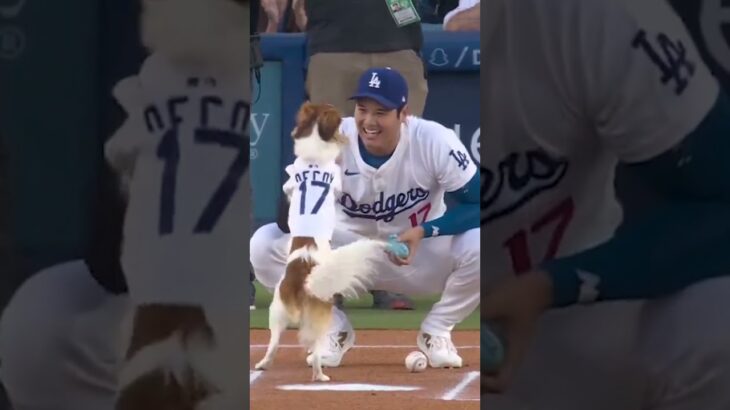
(262, 365)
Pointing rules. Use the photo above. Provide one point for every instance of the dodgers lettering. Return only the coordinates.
(385, 208)
(517, 179)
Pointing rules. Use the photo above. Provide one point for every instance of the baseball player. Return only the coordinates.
(397, 170)
(571, 88)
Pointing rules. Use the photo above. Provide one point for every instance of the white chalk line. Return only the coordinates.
(351, 387)
(255, 374)
(468, 378)
(414, 347)
(451, 395)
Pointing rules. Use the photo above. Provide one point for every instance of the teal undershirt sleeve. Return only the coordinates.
(683, 240)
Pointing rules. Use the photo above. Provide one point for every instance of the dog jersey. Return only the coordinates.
(408, 189)
(184, 149)
(572, 87)
(313, 191)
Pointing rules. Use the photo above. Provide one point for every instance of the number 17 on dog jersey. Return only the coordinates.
(312, 190)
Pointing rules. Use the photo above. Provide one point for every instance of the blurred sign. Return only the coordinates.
(266, 138)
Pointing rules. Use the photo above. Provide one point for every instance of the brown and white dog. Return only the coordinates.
(315, 272)
(178, 357)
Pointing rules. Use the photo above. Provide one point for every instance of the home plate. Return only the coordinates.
(346, 387)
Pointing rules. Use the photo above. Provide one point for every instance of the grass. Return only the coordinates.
(363, 317)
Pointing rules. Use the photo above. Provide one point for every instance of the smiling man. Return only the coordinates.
(397, 171)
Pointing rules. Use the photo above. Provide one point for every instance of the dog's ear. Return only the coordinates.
(329, 121)
(307, 112)
(305, 119)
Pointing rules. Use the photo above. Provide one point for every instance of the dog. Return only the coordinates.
(162, 369)
(315, 272)
(184, 344)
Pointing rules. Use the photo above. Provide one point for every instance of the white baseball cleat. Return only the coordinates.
(440, 351)
(338, 344)
(321, 378)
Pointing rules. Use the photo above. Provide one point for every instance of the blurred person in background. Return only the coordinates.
(347, 38)
(465, 17)
(432, 12)
(282, 16)
(274, 10)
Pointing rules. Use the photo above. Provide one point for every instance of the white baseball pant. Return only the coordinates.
(446, 265)
(61, 341)
(671, 353)
(685, 348)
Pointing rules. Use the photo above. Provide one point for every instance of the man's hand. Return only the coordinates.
(514, 306)
(412, 238)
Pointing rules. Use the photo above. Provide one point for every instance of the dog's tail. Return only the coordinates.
(345, 270)
(153, 368)
(196, 363)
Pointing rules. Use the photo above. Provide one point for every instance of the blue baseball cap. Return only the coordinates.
(384, 85)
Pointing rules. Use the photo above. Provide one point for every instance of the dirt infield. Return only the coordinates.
(372, 376)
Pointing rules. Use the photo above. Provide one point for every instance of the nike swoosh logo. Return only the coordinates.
(350, 173)
(12, 10)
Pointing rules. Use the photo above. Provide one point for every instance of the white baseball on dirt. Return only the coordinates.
(416, 362)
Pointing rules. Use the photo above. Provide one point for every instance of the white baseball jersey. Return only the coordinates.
(409, 188)
(185, 136)
(570, 88)
(313, 191)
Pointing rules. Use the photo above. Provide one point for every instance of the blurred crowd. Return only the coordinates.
(290, 16)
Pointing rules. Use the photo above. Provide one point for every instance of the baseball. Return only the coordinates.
(397, 248)
(416, 362)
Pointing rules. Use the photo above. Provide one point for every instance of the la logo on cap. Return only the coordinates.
(374, 81)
